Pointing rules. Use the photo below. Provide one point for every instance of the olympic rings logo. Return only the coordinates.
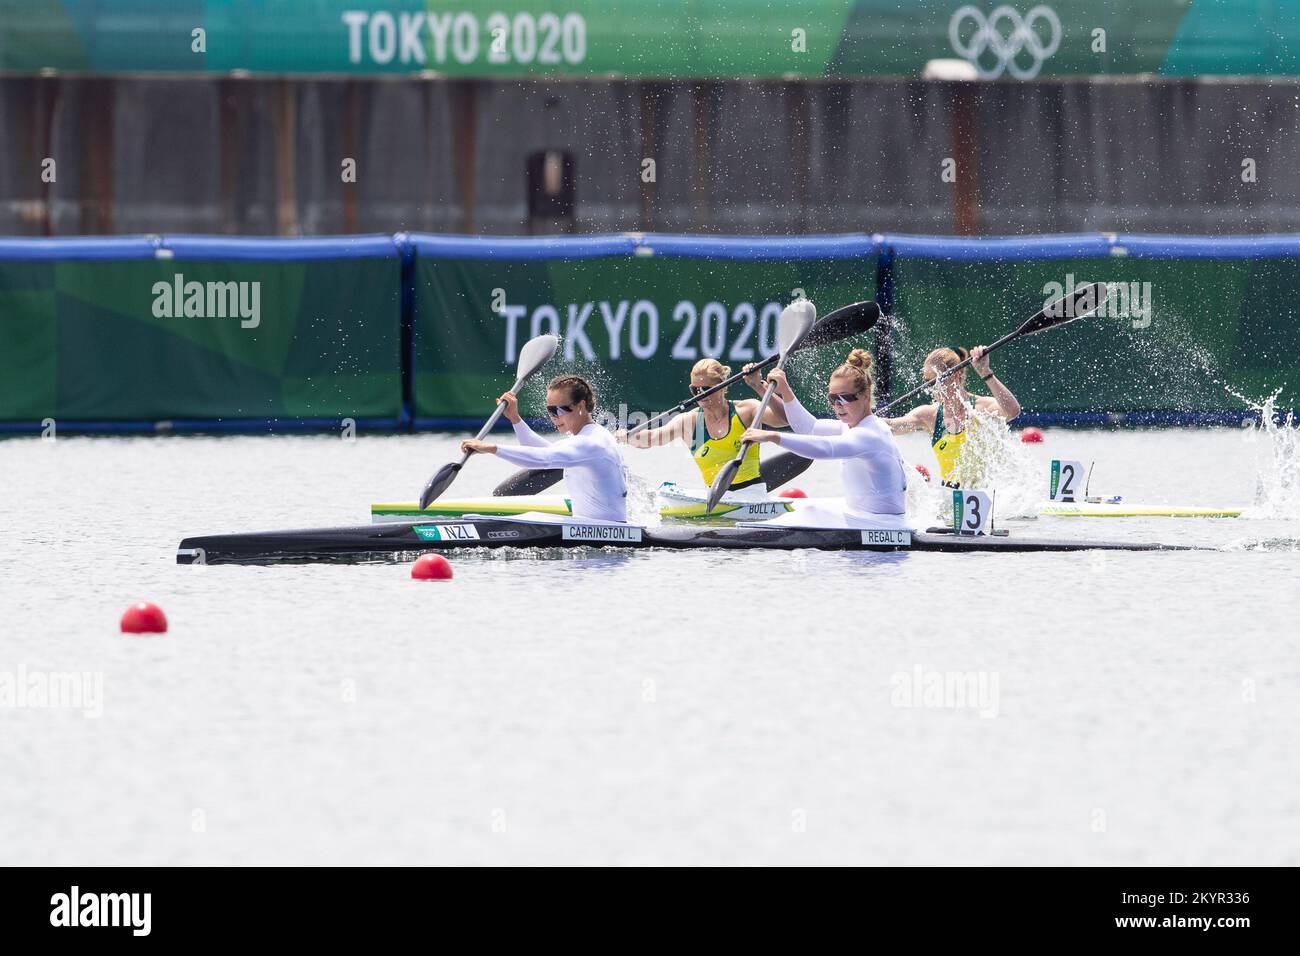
(1006, 43)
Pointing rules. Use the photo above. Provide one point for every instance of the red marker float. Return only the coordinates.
(791, 493)
(1031, 436)
(144, 618)
(431, 567)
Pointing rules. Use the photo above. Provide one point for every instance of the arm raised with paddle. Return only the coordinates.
(535, 353)
(793, 326)
(846, 322)
(1083, 301)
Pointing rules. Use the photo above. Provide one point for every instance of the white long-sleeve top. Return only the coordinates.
(875, 479)
(592, 463)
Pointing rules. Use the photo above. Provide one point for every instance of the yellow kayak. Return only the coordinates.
(675, 503)
(1101, 508)
(383, 512)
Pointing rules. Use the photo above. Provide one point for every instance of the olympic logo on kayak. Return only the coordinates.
(1005, 34)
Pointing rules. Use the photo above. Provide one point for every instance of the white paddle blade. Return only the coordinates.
(795, 322)
(536, 353)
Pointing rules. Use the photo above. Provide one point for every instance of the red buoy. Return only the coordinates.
(791, 493)
(431, 567)
(144, 618)
(923, 472)
(1031, 436)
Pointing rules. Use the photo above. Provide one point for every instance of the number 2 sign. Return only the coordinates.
(1066, 479)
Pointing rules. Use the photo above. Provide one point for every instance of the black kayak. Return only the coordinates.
(406, 540)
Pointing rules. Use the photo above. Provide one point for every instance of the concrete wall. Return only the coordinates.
(233, 156)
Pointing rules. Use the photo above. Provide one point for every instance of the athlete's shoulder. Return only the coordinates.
(925, 414)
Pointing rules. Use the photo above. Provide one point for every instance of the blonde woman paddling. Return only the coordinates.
(713, 432)
(953, 429)
(874, 477)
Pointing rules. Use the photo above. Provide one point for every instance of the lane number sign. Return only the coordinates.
(972, 511)
(1068, 481)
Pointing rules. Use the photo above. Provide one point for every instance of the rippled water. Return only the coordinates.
(643, 707)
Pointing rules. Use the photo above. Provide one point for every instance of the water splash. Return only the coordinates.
(1277, 475)
(993, 459)
(642, 502)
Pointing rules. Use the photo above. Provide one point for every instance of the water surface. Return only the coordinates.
(642, 707)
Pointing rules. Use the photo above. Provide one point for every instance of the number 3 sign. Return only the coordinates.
(972, 511)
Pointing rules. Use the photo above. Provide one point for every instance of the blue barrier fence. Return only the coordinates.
(1228, 296)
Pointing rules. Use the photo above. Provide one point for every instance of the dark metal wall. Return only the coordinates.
(255, 156)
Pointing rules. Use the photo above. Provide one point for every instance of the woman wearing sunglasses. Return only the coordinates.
(592, 463)
(875, 479)
(713, 435)
(962, 451)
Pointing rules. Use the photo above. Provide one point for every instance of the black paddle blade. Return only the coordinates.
(1084, 300)
(779, 469)
(438, 483)
(721, 482)
(530, 482)
(843, 323)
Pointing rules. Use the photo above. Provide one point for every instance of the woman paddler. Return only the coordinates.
(953, 429)
(593, 466)
(874, 477)
(713, 435)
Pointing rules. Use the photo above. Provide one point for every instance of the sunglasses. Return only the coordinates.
(843, 398)
(555, 411)
(699, 389)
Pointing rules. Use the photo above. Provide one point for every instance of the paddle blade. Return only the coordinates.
(1084, 300)
(843, 323)
(779, 469)
(536, 353)
(794, 324)
(722, 481)
(531, 482)
(438, 483)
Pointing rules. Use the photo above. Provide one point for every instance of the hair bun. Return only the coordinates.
(859, 358)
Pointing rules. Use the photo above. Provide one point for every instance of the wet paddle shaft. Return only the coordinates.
(795, 323)
(1081, 302)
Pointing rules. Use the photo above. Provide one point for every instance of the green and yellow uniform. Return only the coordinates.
(712, 453)
(947, 448)
(958, 464)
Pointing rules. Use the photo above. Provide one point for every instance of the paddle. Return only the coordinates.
(778, 469)
(793, 326)
(775, 472)
(843, 323)
(530, 481)
(1082, 301)
(535, 353)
